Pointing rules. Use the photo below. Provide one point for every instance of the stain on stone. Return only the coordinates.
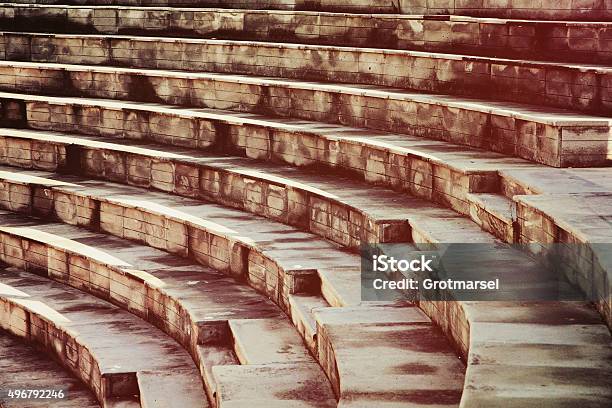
(140, 88)
(13, 113)
(421, 397)
(414, 368)
(74, 160)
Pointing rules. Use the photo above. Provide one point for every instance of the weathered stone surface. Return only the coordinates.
(551, 136)
(24, 365)
(577, 87)
(67, 323)
(539, 40)
(273, 385)
(287, 233)
(593, 10)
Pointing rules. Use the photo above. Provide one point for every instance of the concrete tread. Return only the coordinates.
(535, 113)
(528, 63)
(82, 316)
(591, 11)
(24, 366)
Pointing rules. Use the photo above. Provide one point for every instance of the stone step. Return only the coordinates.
(580, 87)
(339, 209)
(427, 224)
(302, 308)
(567, 206)
(457, 315)
(171, 287)
(524, 39)
(435, 170)
(246, 246)
(67, 323)
(546, 180)
(581, 222)
(272, 385)
(24, 366)
(550, 136)
(413, 351)
(588, 10)
(495, 213)
(276, 343)
(211, 355)
(547, 359)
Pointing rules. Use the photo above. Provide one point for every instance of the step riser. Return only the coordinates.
(587, 10)
(550, 41)
(550, 143)
(399, 170)
(104, 281)
(111, 283)
(173, 235)
(558, 86)
(500, 226)
(295, 206)
(582, 265)
(493, 224)
(19, 320)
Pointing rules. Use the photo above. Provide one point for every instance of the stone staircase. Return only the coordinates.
(22, 364)
(185, 186)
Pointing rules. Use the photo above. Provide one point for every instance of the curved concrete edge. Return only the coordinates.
(472, 35)
(268, 195)
(588, 11)
(442, 172)
(554, 137)
(41, 325)
(211, 342)
(521, 81)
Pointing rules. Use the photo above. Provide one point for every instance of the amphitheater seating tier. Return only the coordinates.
(194, 179)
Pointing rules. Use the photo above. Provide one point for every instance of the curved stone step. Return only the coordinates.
(551, 136)
(344, 211)
(349, 285)
(458, 319)
(434, 170)
(68, 323)
(589, 10)
(230, 240)
(444, 173)
(26, 367)
(277, 350)
(181, 298)
(584, 88)
(524, 39)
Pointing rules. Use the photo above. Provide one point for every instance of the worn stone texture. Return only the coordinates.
(549, 136)
(23, 364)
(66, 323)
(215, 170)
(572, 86)
(550, 40)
